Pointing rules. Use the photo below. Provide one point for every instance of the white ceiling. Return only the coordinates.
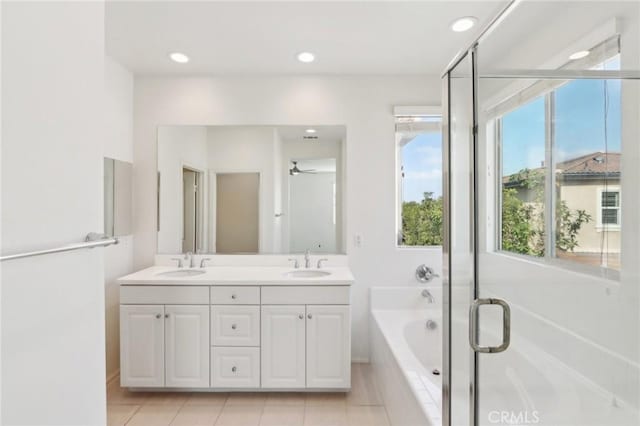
(263, 37)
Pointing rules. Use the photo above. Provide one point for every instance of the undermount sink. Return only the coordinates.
(307, 274)
(181, 273)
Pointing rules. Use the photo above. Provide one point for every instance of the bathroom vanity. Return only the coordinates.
(236, 328)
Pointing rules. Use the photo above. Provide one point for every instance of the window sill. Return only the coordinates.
(609, 274)
(611, 228)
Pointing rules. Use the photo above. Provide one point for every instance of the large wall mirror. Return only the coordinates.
(251, 189)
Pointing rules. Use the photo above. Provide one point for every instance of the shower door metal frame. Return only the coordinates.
(447, 296)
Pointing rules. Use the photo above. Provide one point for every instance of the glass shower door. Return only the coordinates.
(542, 323)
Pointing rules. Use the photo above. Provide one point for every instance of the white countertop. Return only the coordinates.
(238, 275)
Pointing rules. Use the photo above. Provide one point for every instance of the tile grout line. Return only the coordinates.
(126, 422)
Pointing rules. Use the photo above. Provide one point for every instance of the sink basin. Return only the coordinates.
(181, 273)
(307, 274)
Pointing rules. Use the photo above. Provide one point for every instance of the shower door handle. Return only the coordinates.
(473, 326)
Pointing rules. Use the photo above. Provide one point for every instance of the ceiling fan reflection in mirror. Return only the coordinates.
(296, 171)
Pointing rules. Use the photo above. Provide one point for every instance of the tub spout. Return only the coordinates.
(426, 293)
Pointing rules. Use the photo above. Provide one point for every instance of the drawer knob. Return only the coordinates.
(309, 316)
(233, 296)
(301, 316)
(166, 315)
(233, 369)
(158, 316)
(233, 326)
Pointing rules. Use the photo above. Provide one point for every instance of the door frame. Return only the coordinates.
(201, 206)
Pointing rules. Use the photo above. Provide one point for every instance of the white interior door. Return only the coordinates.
(187, 346)
(283, 346)
(328, 346)
(142, 345)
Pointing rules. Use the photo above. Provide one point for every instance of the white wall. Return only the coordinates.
(247, 149)
(362, 103)
(53, 350)
(311, 213)
(118, 144)
(294, 150)
(181, 146)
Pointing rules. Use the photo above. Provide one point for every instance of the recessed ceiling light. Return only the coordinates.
(464, 24)
(579, 55)
(306, 57)
(310, 130)
(178, 57)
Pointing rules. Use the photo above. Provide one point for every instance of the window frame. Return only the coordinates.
(600, 227)
(400, 112)
(496, 114)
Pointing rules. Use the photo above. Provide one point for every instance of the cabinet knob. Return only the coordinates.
(233, 296)
(158, 316)
(233, 369)
(309, 316)
(233, 326)
(166, 315)
(301, 316)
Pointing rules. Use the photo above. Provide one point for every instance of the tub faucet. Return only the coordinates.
(307, 259)
(427, 294)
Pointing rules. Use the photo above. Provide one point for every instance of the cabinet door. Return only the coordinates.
(142, 345)
(328, 346)
(187, 346)
(283, 347)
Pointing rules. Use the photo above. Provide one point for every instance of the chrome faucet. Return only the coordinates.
(426, 293)
(320, 262)
(203, 261)
(192, 261)
(307, 259)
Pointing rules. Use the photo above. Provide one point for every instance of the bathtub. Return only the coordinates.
(526, 380)
(406, 355)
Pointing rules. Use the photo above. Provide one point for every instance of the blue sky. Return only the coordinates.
(579, 130)
(422, 161)
(579, 124)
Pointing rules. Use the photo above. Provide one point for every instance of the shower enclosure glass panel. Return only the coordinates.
(551, 220)
(459, 241)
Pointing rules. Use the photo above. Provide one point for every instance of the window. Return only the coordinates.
(419, 178)
(523, 179)
(560, 156)
(609, 205)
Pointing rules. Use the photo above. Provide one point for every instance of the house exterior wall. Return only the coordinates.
(585, 196)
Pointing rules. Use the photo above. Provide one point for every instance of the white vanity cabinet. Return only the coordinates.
(162, 344)
(328, 346)
(283, 346)
(142, 345)
(271, 337)
(306, 346)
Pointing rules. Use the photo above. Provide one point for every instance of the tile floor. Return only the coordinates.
(361, 407)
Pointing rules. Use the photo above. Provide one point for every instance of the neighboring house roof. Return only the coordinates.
(594, 166)
(598, 163)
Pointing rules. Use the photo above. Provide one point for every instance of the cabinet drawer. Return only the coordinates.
(164, 295)
(305, 295)
(235, 367)
(235, 325)
(235, 295)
